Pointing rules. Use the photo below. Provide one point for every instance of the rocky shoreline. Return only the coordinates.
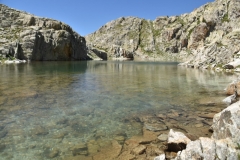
(15, 61)
(224, 142)
(165, 140)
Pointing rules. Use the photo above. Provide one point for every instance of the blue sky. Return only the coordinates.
(86, 16)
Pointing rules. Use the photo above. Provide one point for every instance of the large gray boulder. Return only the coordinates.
(226, 124)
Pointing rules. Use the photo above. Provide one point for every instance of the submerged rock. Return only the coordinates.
(163, 137)
(139, 150)
(154, 124)
(3, 133)
(156, 127)
(79, 149)
(39, 131)
(2, 147)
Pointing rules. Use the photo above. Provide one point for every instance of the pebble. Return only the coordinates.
(155, 127)
(3, 134)
(163, 137)
(39, 131)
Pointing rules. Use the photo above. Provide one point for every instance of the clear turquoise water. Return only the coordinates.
(46, 105)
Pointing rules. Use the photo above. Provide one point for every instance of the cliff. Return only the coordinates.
(204, 38)
(28, 37)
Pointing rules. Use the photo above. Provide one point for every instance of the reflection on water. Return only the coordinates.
(56, 110)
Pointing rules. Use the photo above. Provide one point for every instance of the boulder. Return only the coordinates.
(226, 123)
(177, 141)
(233, 88)
(139, 150)
(163, 137)
(221, 149)
(233, 64)
(230, 99)
(208, 148)
(193, 151)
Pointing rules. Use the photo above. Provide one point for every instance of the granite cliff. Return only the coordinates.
(204, 38)
(28, 37)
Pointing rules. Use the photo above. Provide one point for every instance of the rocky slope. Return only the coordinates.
(25, 36)
(206, 37)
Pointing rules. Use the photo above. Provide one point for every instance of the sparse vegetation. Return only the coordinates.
(219, 65)
(238, 146)
(132, 34)
(10, 57)
(198, 21)
(181, 21)
(189, 51)
(219, 44)
(190, 32)
(204, 20)
(143, 34)
(156, 32)
(225, 18)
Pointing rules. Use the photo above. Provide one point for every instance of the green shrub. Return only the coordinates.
(190, 32)
(225, 18)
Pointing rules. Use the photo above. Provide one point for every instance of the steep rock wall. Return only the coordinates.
(25, 36)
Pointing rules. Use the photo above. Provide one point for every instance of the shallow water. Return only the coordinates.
(46, 108)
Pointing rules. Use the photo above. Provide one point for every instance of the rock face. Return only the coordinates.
(226, 124)
(205, 38)
(224, 143)
(25, 36)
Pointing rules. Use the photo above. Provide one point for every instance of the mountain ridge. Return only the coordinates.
(208, 37)
(203, 38)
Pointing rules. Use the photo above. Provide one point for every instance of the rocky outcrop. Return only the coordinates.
(28, 37)
(225, 141)
(118, 38)
(205, 38)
